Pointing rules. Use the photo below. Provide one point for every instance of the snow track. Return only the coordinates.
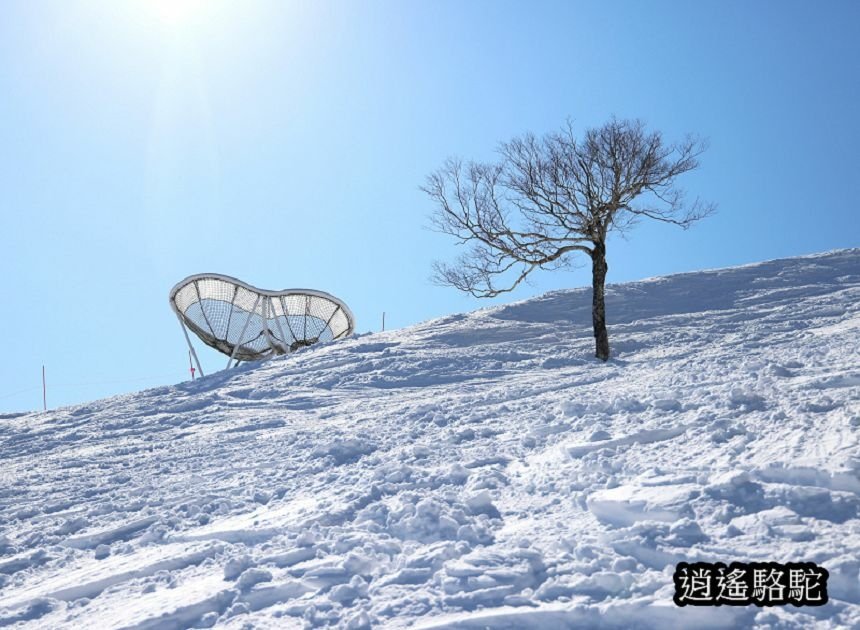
(480, 470)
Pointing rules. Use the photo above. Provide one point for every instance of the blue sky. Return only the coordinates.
(284, 143)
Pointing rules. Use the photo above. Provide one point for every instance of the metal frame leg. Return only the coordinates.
(242, 334)
(190, 347)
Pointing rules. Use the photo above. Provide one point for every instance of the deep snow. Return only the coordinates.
(477, 470)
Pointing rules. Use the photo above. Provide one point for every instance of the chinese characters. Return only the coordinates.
(742, 584)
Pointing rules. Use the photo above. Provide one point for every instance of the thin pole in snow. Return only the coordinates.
(383, 321)
(190, 365)
(44, 391)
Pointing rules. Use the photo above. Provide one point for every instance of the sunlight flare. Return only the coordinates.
(175, 12)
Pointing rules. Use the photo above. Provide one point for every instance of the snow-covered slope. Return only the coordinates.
(477, 470)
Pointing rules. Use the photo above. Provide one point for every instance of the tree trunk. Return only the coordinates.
(598, 305)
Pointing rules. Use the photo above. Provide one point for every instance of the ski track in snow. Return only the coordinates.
(478, 470)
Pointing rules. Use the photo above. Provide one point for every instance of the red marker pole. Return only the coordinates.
(190, 365)
(44, 391)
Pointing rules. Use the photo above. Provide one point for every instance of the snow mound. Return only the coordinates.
(479, 470)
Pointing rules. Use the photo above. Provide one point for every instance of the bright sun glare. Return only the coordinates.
(175, 12)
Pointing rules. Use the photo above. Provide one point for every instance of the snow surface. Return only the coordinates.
(479, 470)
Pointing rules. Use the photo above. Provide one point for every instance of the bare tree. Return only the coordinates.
(546, 198)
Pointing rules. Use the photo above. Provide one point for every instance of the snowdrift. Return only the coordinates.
(480, 470)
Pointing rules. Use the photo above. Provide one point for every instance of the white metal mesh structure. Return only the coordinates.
(250, 324)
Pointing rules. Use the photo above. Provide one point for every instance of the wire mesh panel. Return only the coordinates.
(250, 324)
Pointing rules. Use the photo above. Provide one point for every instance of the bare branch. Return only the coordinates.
(548, 197)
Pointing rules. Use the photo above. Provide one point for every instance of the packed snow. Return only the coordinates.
(479, 470)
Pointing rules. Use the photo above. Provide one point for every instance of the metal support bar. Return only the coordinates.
(232, 308)
(331, 317)
(244, 328)
(307, 314)
(203, 310)
(266, 306)
(287, 318)
(286, 348)
(190, 347)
